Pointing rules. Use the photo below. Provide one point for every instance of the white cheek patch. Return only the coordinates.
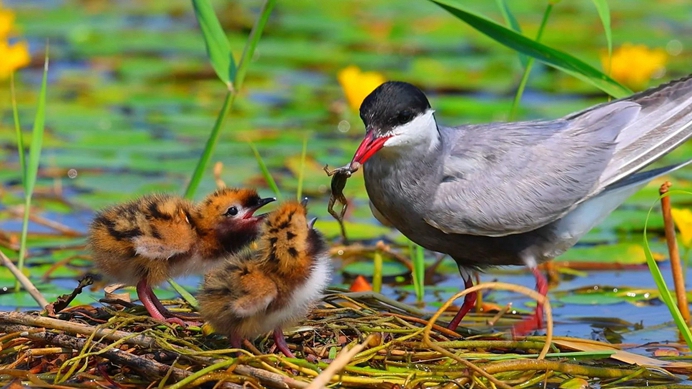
(422, 129)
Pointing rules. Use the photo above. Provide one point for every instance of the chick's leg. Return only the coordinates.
(153, 305)
(281, 344)
(189, 319)
(159, 305)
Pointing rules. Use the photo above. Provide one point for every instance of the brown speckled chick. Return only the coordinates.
(273, 286)
(145, 241)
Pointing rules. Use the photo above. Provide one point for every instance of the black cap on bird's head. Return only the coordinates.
(391, 105)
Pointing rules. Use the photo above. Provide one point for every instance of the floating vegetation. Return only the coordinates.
(115, 345)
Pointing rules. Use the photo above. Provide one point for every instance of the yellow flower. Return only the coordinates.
(6, 20)
(357, 85)
(634, 65)
(13, 57)
(683, 220)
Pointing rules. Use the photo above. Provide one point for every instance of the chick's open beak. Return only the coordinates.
(261, 203)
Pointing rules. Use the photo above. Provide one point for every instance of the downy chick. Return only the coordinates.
(273, 286)
(147, 240)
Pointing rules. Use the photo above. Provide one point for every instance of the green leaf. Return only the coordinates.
(32, 167)
(604, 14)
(545, 54)
(623, 253)
(377, 272)
(37, 134)
(251, 44)
(418, 259)
(218, 48)
(209, 146)
(331, 229)
(18, 131)
(265, 172)
(367, 268)
(512, 23)
(529, 65)
(187, 296)
(237, 76)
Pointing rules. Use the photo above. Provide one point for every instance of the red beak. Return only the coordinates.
(368, 147)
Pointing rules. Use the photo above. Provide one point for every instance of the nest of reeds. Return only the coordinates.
(361, 340)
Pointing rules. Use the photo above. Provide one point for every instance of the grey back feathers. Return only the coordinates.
(525, 175)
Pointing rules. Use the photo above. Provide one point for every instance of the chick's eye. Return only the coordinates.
(232, 211)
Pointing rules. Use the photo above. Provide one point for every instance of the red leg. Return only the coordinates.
(153, 305)
(535, 322)
(236, 341)
(281, 344)
(187, 319)
(161, 308)
(466, 306)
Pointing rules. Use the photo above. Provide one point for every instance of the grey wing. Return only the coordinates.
(664, 122)
(509, 178)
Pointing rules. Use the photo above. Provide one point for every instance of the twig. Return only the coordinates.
(75, 328)
(52, 224)
(567, 368)
(499, 314)
(676, 268)
(344, 357)
(145, 367)
(276, 380)
(63, 301)
(432, 269)
(499, 286)
(6, 241)
(26, 283)
(443, 330)
(388, 302)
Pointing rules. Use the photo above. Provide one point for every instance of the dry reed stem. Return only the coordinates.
(24, 281)
(342, 359)
(144, 366)
(75, 328)
(18, 211)
(491, 285)
(218, 168)
(674, 253)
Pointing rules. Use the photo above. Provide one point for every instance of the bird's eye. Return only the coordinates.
(232, 211)
(404, 117)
